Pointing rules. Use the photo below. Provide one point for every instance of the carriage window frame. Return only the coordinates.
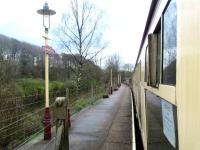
(139, 91)
(146, 77)
(154, 56)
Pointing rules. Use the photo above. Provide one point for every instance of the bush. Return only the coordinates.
(36, 86)
(56, 86)
(31, 86)
(11, 90)
(71, 85)
(86, 84)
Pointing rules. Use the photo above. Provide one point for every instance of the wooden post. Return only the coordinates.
(67, 95)
(60, 112)
(68, 119)
(92, 90)
(107, 90)
(120, 79)
(111, 83)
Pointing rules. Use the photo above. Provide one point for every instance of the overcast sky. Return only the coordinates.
(125, 20)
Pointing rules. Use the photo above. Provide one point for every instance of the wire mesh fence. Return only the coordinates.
(22, 117)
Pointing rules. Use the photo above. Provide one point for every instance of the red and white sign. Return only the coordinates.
(49, 50)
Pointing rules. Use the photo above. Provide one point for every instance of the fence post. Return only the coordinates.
(92, 90)
(107, 90)
(68, 119)
(67, 95)
(111, 82)
(60, 111)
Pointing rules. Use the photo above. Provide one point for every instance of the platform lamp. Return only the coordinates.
(46, 13)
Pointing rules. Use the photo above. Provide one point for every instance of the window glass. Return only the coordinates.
(169, 44)
(161, 123)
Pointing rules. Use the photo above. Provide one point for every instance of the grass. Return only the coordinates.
(83, 102)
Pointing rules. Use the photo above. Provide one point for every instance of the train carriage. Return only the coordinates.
(166, 77)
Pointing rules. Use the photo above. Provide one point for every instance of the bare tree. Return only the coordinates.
(127, 71)
(79, 34)
(114, 63)
(128, 67)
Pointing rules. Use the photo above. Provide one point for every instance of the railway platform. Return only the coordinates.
(107, 125)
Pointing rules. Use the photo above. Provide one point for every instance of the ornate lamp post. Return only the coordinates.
(46, 13)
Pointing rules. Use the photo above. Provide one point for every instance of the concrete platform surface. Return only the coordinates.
(105, 126)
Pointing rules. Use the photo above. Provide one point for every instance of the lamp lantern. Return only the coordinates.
(46, 12)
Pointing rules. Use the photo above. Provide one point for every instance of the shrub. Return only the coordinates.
(71, 85)
(31, 86)
(56, 86)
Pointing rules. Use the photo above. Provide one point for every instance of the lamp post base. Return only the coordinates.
(47, 124)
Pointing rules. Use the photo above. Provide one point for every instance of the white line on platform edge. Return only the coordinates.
(133, 125)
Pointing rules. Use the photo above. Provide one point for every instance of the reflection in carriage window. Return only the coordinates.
(161, 123)
(169, 44)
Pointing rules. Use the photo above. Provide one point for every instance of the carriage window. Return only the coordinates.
(161, 123)
(169, 44)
